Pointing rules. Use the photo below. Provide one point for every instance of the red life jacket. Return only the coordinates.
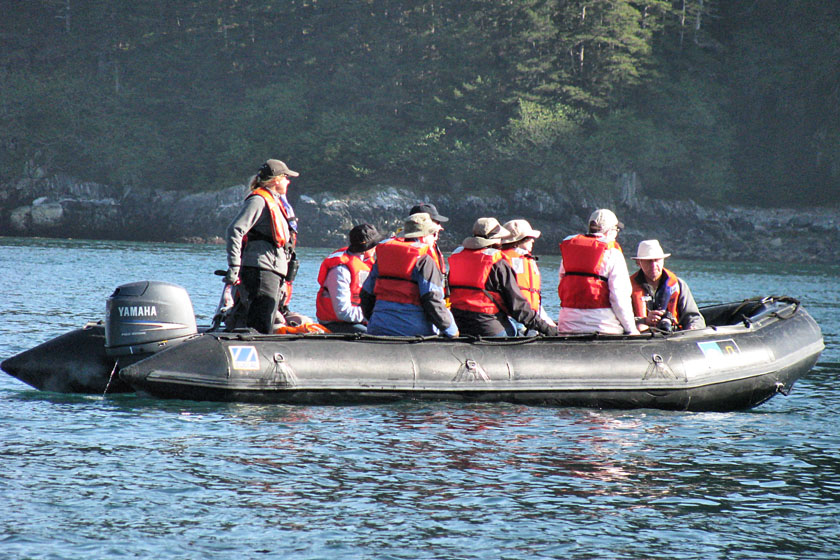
(527, 275)
(323, 303)
(279, 218)
(468, 273)
(582, 287)
(396, 259)
(640, 297)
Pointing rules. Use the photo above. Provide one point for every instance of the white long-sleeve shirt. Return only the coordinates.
(616, 319)
(338, 286)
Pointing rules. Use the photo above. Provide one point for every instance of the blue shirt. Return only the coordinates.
(405, 319)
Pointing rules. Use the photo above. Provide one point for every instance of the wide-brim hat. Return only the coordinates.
(273, 168)
(363, 237)
(486, 232)
(650, 249)
(429, 209)
(604, 220)
(519, 230)
(419, 225)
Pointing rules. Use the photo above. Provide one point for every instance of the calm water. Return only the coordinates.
(129, 477)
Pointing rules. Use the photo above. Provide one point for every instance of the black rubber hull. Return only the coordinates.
(727, 368)
(74, 362)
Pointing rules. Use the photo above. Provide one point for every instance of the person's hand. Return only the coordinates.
(653, 317)
(232, 276)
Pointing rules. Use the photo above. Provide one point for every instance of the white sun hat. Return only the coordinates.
(650, 249)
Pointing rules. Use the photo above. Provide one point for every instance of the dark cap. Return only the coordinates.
(363, 237)
(273, 168)
(430, 210)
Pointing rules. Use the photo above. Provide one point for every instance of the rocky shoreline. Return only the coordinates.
(60, 206)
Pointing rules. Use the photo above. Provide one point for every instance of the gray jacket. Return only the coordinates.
(261, 252)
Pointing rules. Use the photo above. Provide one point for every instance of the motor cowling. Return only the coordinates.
(145, 317)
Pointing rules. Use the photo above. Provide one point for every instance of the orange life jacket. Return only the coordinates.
(527, 275)
(468, 273)
(396, 259)
(582, 287)
(640, 297)
(279, 218)
(323, 303)
(305, 328)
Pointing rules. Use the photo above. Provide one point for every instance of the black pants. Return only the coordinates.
(346, 328)
(263, 287)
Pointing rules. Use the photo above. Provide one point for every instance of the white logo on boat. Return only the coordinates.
(719, 349)
(244, 357)
(138, 311)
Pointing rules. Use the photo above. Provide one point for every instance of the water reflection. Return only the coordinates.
(127, 476)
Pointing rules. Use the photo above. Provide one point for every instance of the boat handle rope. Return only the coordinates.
(110, 377)
(780, 388)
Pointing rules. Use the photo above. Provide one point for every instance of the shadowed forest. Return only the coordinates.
(711, 100)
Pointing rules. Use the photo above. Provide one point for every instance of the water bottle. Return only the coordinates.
(227, 298)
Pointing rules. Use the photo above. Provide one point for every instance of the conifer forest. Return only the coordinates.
(718, 101)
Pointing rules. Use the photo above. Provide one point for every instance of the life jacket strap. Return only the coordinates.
(254, 235)
(384, 277)
(588, 275)
(493, 296)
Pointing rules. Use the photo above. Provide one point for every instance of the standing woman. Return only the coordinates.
(260, 241)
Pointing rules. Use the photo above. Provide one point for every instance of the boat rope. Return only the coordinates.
(110, 378)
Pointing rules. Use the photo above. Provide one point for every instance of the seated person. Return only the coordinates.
(483, 287)
(517, 250)
(660, 298)
(403, 295)
(594, 285)
(439, 219)
(341, 277)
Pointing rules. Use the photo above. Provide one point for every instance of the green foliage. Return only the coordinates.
(706, 99)
(790, 98)
(255, 126)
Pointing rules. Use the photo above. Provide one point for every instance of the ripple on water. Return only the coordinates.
(129, 477)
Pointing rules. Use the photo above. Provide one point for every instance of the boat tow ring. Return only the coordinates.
(471, 370)
(658, 369)
(284, 374)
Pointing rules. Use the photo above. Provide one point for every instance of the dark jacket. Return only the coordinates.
(502, 280)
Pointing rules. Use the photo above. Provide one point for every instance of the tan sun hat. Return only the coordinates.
(519, 230)
(419, 225)
(650, 249)
(486, 232)
(603, 220)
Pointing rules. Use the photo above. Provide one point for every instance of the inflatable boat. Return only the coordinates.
(750, 351)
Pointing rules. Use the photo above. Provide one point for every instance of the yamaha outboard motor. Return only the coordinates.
(145, 317)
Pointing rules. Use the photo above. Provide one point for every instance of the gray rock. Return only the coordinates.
(58, 205)
(46, 215)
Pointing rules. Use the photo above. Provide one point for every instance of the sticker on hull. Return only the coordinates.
(244, 357)
(719, 349)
